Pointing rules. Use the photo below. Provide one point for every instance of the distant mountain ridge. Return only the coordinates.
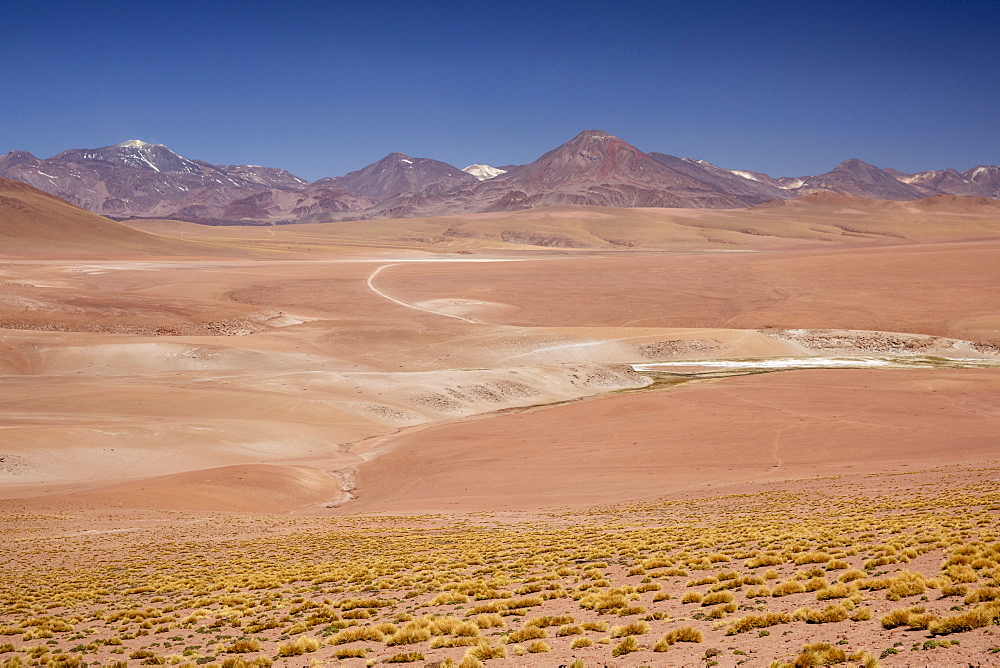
(136, 179)
(399, 173)
(594, 168)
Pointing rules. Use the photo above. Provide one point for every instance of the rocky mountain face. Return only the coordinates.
(594, 168)
(314, 203)
(986, 177)
(136, 179)
(269, 177)
(854, 177)
(752, 187)
(943, 181)
(398, 173)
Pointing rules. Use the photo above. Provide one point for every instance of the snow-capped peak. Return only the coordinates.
(483, 172)
(138, 153)
(135, 143)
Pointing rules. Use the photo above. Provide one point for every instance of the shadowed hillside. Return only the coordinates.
(31, 220)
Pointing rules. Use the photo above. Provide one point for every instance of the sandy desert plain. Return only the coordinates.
(424, 441)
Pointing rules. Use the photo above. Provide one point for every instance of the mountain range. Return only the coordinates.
(136, 179)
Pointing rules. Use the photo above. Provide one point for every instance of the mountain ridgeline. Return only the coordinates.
(136, 179)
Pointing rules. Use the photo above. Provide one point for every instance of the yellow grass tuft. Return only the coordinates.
(351, 653)
(720, 611)
(447, 598)
(411, 633)
(452, 641)
(757, 621)
(899, 617)
(301, 645)
(539, 646)
(243, 646)
(831, 613)
(985, 614)
(954, 589)
(820, 654)
(787, 588)
(839, 590)
(550, 620)
(612, 599)
(355, 633)
(488, 620)
(636, 628)
(811, 558)
(406, 657)
(626, 646)
(484, 651)
(352, 603)
(983, 594)
(861, 614)
(765, 560)
(527, 633)
(906, 584)
(682, 634)
(569, 630)
(496, 607)
(717, 597)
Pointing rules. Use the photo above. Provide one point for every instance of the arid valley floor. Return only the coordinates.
(423, 440)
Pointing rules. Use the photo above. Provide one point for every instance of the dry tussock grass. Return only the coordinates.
(298, 646)
(359, 587)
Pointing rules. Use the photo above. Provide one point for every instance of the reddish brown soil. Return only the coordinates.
(701, 436)
(941, 289)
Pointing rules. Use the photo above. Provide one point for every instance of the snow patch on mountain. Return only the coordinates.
(134, 143)
(745, 175)
(483, 172)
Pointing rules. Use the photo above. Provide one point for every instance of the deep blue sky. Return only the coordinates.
(322, 88)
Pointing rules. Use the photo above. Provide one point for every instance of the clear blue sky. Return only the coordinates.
(322, 88)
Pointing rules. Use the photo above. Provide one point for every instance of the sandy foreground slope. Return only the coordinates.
(130, 369)
(347, 378)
